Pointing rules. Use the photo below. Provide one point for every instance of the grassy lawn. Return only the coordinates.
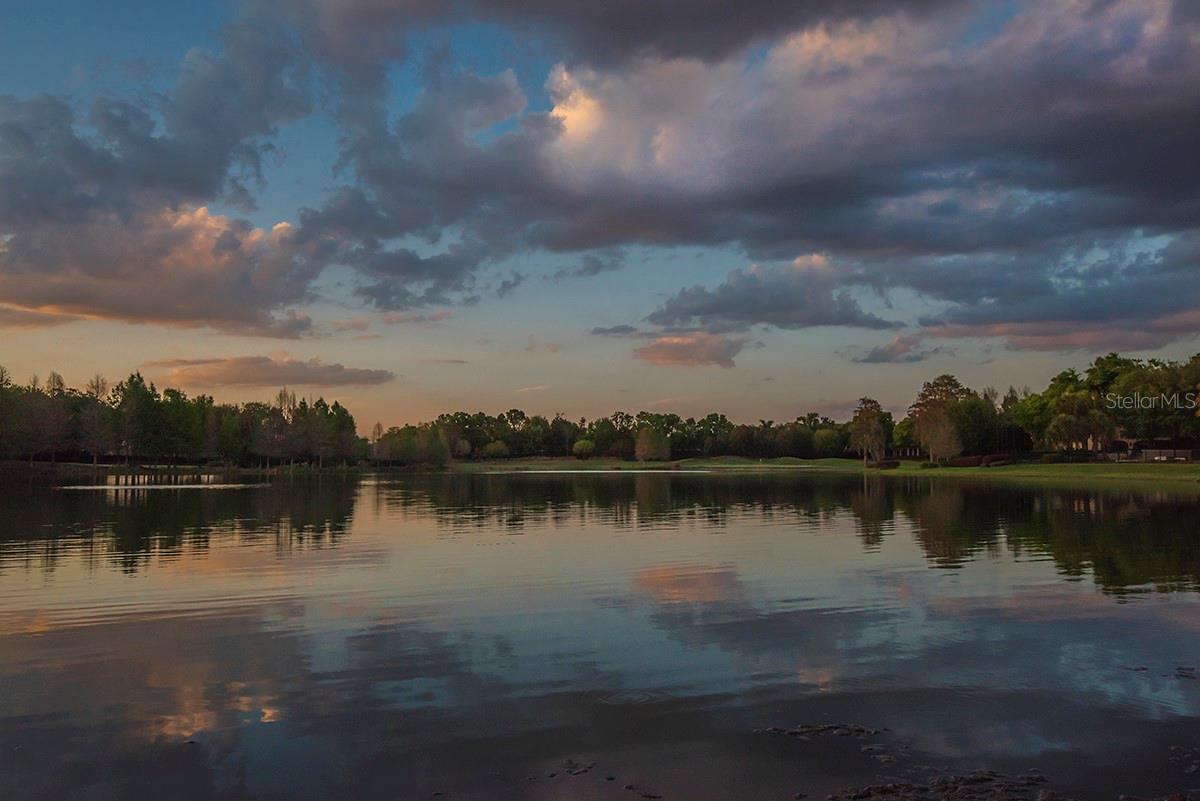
(1144, 476)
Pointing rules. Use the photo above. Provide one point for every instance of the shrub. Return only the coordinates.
(885, 464)
(994, 459)
(1052, 458)
(495, 450)
(966, 461)
(583, 448)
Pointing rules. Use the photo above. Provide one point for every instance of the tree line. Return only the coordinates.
(1076, 413)
(1141, 400)
(134, 422)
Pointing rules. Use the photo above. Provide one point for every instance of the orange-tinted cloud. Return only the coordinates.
(692, 349)
(12, 317)
(186, 267)
(265, 371)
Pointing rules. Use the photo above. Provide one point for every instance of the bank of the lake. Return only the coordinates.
(1143, 475)
(56, 472)
(1132, 475)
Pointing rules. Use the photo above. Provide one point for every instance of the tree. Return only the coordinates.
(828, 442)
(936, 432)
(496, 449)
(50, 416)
(55, 385)
(345, 433)
(135, 402)
(97, 386)
(933, 424)
(583, 448)
(561, 436)
(95, 427)
(867, 431)
(652, 445)
(1105, 370)
(977, 423)
(941, 391)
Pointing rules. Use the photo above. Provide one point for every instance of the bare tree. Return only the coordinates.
(97, 386)
(55, 385)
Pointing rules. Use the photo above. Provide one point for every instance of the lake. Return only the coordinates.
(597, 636)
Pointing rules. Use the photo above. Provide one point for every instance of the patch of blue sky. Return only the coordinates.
(105, 41)
(988, 21)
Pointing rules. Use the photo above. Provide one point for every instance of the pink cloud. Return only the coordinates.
(692, 350)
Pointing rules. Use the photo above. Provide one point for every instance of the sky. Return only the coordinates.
(759, 208)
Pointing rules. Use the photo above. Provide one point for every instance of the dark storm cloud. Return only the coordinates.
(425, 176)
(708, 29)
(1114, 294)
(801, 296)
(974, 161)
(965, 171)
(359, 36)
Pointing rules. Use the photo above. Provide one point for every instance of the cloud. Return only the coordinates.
(352, 324)
(927, 147)
(534, 388)
(265, 371)
(615, 331)
(533, 345)
(1113, 295)
(958, 172)
(592, 264)
(104, 215)
(405, 318)
(902, 349)
(804, 295)
(359, 37)
(509, 284)
(186, 268)
(693, 349)
(11, 317)
(1098, 337)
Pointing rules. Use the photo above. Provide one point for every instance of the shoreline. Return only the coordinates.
(1102, 475)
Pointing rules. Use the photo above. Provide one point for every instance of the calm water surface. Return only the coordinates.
(395, 638)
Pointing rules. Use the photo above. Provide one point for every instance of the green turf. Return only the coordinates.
(1140, 474)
